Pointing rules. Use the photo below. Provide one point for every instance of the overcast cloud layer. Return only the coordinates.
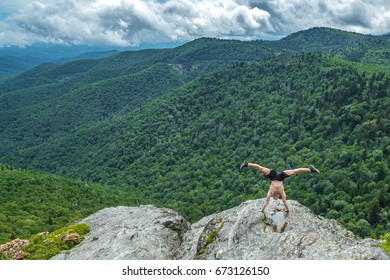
(146, 22)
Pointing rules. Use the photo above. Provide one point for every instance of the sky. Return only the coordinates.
(136, 23)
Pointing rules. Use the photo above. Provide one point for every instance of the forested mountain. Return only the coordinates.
(170, 127)
(337, 43)
(51, 100)
(32, 202)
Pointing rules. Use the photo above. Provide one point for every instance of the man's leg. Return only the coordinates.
(296, 171)
(301, 170)
(262, 169)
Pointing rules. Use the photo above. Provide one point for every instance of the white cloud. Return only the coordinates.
(136, 22)
(364, 16)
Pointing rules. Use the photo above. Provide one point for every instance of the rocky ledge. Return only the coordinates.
(240, 233)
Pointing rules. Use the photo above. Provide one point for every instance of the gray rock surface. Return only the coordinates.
(240, 233)
(130, 233)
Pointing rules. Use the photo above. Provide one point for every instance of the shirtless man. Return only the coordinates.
(277, 178)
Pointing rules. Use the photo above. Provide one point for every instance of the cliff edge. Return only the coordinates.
(239, 233)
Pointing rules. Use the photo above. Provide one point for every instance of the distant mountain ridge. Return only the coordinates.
(27, 57)
(87, 55)
(322, 38)
(11, 66)
(313, 39)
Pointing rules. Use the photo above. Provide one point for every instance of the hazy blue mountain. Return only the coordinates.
(15, 60)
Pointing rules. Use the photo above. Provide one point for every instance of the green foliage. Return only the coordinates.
(386, 243)
(46, 245)
(209, 237)
(213, 233)
(32, 202)
(363, 228)
(43, 248)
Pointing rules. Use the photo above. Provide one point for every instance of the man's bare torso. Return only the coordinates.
(276, 189)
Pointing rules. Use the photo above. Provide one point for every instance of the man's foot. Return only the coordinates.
(245, 164)
(313, 169)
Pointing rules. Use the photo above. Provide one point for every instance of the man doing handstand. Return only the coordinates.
(277, 177)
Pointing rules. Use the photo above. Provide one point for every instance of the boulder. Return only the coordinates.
(244, 232)
(131, 233)
(239, 233)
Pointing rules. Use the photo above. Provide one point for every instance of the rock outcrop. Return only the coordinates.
(243, 232)
(131, 233)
